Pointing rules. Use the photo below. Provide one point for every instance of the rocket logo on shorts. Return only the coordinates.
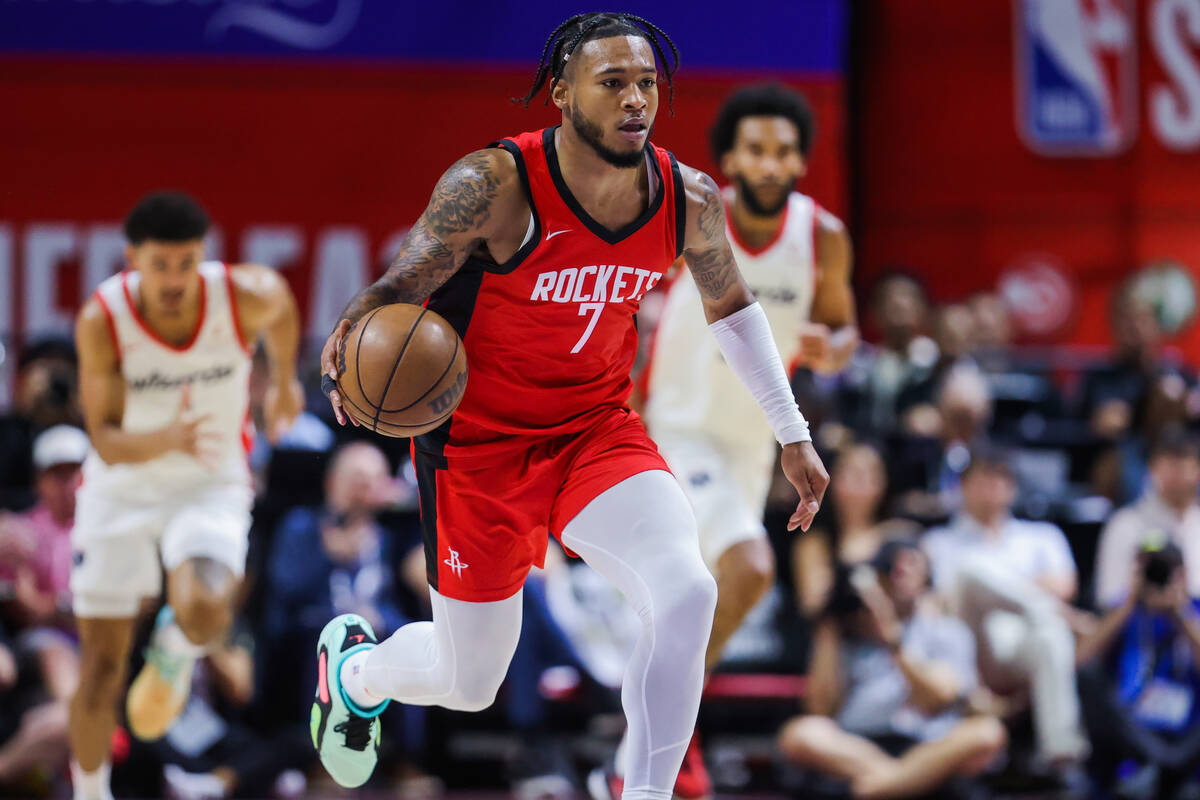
(456, 566)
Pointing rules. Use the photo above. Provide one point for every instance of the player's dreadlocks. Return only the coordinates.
(581, 28)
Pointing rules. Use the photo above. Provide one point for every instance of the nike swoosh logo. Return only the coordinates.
(550, 236)
(322, 678)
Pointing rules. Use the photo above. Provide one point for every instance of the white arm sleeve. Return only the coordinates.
(749, 348)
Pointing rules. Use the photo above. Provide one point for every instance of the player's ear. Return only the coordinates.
(803, 167)
(561, 96)
(130, 251)
(727, 165)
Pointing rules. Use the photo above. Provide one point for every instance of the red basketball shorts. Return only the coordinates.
(486, 525)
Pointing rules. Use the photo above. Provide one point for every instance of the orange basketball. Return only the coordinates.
(402, 370)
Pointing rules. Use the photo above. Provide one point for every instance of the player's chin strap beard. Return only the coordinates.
(750, 200)
(593, 135)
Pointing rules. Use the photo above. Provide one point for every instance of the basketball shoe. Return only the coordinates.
(160, 691)
(346, 735)
(603, 782)
(692, 782)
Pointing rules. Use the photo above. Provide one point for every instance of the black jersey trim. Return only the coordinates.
(531, 245)
(455, 301)
(608, 235)
(426, 466)
(680, 206)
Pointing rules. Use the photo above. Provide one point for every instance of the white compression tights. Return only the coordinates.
(641, 535)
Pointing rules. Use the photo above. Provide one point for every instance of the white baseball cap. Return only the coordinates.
(62, 444)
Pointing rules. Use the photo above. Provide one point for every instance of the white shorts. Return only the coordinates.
(726, 484)
(119, 548)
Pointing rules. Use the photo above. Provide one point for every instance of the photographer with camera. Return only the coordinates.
(1169, 505)
(1139, 677)
(886, 686)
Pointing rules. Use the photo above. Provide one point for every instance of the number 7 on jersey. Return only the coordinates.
(584, 308)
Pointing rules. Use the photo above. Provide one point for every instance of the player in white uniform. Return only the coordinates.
(164, 362)
(795, 256)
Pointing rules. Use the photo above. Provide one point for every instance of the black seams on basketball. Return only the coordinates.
(403, 370)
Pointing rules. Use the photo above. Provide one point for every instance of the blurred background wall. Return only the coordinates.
(980, 160)
(314, 131)
(949, 135)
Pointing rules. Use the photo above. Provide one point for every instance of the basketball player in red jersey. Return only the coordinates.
(538, 250)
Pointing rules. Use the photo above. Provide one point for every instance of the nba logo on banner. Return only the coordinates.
(1076, 75)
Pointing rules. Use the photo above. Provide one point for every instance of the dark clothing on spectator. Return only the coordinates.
(1154, 660)
(1128, 381)
(1140, 702)
(16, 463)
(308, 588)
(879, 385)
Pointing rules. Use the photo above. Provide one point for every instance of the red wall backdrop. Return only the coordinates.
(948, 187)
(314, 168)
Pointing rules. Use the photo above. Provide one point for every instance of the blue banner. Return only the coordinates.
(785, 35)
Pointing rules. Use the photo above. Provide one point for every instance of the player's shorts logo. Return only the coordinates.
(455, 563)
(1076, 81)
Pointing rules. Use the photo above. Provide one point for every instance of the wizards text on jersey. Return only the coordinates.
(157, 380)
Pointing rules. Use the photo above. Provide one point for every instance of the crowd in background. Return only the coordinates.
(1004, 579)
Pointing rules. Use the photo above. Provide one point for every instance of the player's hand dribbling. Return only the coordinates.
(329, 369)
(283, 403)
(804, 470)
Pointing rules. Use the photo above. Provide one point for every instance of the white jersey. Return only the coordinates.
(213, 368)
(690, 389)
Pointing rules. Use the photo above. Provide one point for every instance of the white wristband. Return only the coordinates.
(749, 348)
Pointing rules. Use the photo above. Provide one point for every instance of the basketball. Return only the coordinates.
(402, 370)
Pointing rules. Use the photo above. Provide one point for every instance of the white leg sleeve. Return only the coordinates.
(641, 535)
(457, 661)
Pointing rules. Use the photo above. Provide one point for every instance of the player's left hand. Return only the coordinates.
(804, 470)
(283, 403)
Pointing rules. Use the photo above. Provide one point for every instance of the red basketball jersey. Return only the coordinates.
(550, 335)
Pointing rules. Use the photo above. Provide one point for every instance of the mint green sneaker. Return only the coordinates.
(160, 691)
(346, 736)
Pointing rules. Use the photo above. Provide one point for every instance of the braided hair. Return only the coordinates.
(581, 28)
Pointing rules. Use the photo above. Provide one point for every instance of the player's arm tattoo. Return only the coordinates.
(707, 251)
(442, 238)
